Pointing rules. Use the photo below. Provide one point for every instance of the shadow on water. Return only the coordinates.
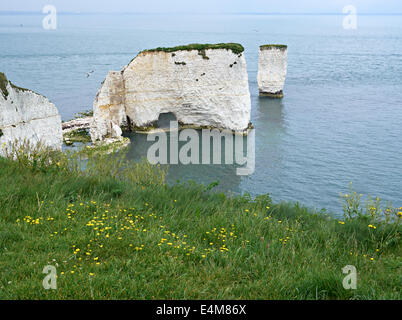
(164, 120)
(204, 173)
(270, 129)
(269, 113)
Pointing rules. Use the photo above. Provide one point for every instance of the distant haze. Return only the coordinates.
(206, 6)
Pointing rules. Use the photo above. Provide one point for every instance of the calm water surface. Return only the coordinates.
(340, 120)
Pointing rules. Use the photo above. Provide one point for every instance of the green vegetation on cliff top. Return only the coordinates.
(3, 85)
(235, 47)
(271, 46)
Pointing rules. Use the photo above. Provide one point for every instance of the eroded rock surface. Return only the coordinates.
(202, 85)
(26, 115)
(272, 69)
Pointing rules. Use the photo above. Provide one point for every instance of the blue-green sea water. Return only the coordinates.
(340, 119)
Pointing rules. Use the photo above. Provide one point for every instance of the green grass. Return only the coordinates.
(3, 86)
(272, 46)
(140, 239)
(84, 114)
(234, 47)
(80, 135)
(201, 48)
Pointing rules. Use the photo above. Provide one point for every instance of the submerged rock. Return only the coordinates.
(202, 85)
(26, 115)
(272, 69)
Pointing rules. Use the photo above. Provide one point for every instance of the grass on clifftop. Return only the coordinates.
(234, 47)
(273, 46)
(3, 85)
(114, 230)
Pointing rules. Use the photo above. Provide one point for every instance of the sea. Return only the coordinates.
(340, 120)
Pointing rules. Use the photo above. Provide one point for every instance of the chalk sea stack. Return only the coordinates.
(26, 115)
(203, 85)
(272, 69)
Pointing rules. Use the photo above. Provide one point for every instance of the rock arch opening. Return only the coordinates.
(164, 120)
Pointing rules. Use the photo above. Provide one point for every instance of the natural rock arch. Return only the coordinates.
(164, 120)
(203, 85)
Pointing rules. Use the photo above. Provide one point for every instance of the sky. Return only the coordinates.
(205, 6)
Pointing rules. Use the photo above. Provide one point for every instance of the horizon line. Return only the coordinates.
(20, 12)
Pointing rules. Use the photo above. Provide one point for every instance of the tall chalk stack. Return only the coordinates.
(272, 69)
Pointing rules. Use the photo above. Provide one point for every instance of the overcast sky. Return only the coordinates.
(206, 6)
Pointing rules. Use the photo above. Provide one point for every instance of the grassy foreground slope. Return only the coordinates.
(115, 236)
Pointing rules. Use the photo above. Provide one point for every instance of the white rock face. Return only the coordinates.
(207, 88)
(272, 69)
(27, 115)
(109, 110)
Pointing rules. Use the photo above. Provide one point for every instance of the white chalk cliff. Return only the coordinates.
(202, 85)
(272, 69)
(27, 115)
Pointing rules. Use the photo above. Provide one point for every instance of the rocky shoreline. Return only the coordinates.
(76, 124)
